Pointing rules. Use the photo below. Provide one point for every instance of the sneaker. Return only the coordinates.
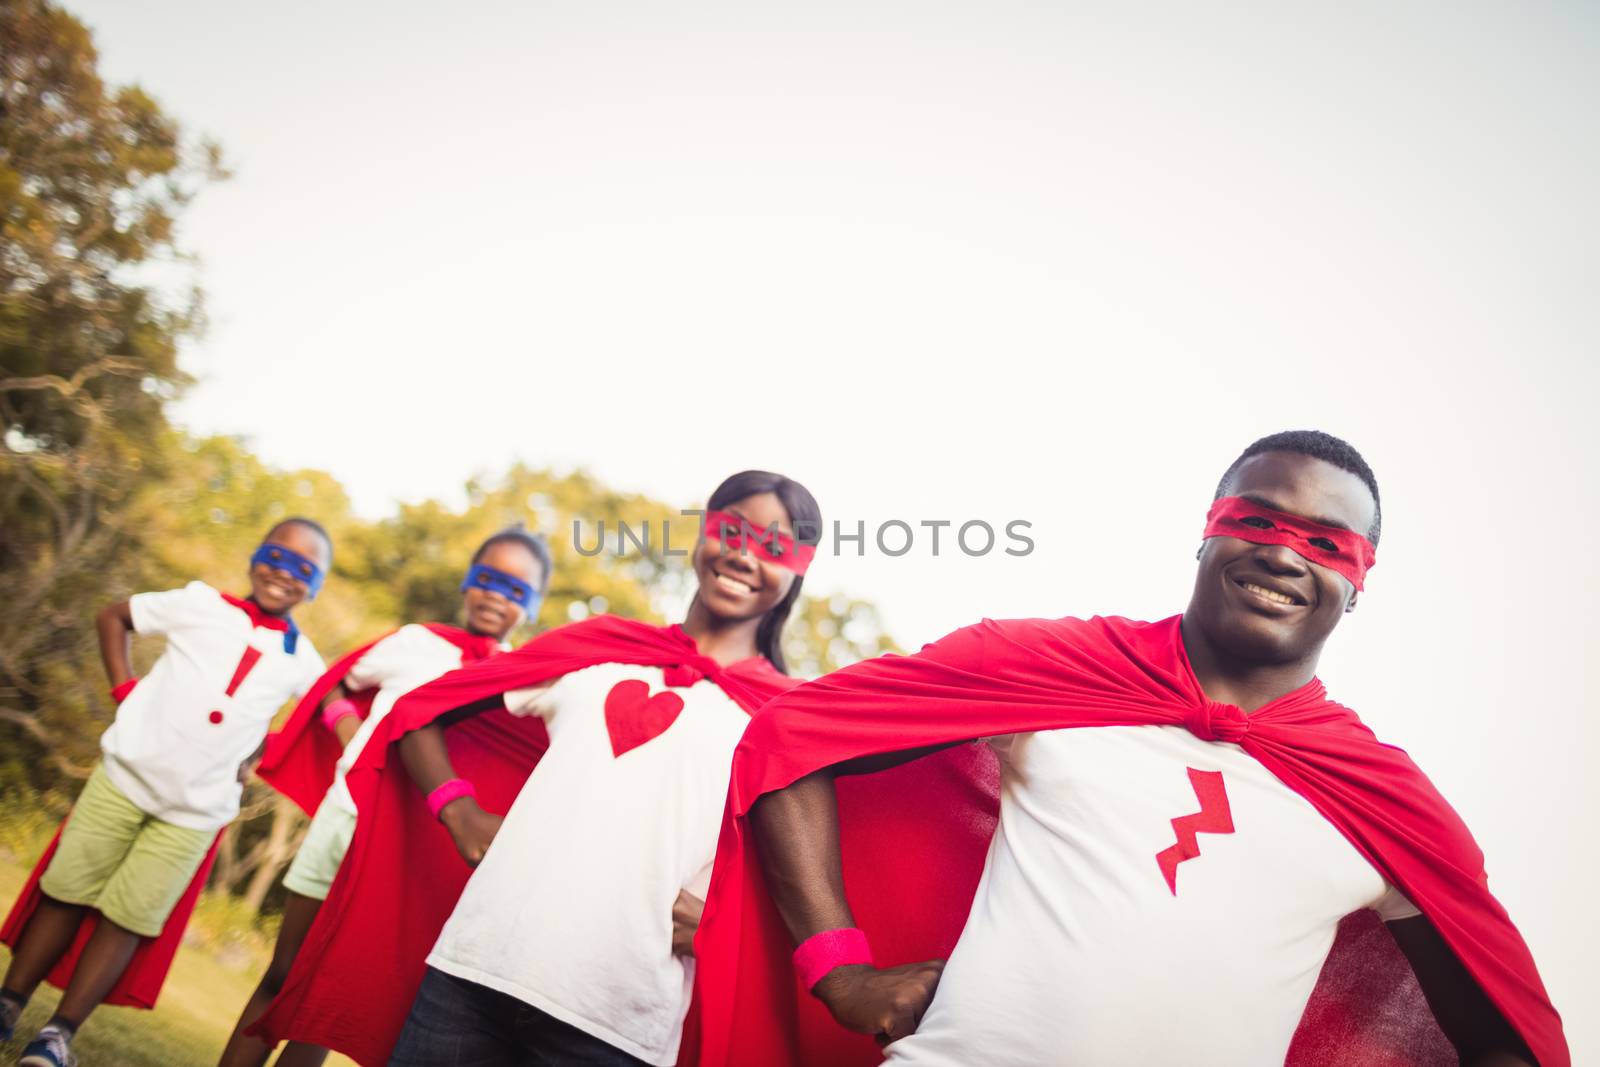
(49, 1049)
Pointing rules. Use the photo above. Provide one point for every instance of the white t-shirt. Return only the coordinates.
(571, 910)
(411, 656)
(178, 739)
(1077, 950)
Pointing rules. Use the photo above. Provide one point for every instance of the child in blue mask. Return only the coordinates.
(135, 848)
(308, 758)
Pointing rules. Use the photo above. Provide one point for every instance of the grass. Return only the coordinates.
(212, 977)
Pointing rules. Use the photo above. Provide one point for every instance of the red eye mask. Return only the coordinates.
(1339, 550)
(741, 535)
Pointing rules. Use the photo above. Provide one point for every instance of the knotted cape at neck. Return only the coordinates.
(914, 838)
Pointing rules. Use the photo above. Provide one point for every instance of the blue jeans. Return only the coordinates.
(457, 1023)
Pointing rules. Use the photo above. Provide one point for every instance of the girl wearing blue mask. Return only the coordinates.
(307, 760)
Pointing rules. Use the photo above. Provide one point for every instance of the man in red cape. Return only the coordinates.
(358, 970)
(1084, 929)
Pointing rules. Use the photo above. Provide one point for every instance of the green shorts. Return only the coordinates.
(321, 852)
(129, 866)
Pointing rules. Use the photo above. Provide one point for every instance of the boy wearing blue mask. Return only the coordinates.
(134, 850)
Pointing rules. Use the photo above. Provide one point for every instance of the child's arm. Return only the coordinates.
(114, 624)
(346, 726)
(427, 760)
(389, 660)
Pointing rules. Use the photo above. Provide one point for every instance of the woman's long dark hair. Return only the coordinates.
(805, 518)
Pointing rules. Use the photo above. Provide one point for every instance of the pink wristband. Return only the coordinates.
(339, 709)
(119, 693)
(821, 953)
(454, 789)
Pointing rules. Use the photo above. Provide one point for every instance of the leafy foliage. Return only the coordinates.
(92, 179)
(100, 497)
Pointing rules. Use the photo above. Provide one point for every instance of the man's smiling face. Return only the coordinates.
(1265, 603)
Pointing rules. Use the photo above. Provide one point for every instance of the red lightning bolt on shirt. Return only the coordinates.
(1214, 817)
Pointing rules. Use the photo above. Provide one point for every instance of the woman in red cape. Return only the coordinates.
(360, 968)
(912, 840)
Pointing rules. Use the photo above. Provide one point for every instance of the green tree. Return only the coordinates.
(92, 181)
(826, 633)
(101, 498)
(414, 562)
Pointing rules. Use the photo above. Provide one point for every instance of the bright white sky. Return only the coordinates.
(956, 261)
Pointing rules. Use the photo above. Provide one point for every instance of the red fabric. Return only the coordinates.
(119, 693)
(1214, 817)
(247, 663)
(357, 972)
(1367, 1009)
(634, 716)
(741, 535)
(141, 982)
(1352, 555)
(911, 893)
(258, 617)
(301, 759)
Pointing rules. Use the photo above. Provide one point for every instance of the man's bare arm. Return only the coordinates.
(1467, 1016)
(797, 836)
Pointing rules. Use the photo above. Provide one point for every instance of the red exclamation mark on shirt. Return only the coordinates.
(251, 656)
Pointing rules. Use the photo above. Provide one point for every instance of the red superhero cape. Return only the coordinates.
(353, 981)
(147, 970)
(302, 758)
(914, 838)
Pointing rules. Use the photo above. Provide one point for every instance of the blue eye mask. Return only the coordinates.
(515, 590)
(291, 563)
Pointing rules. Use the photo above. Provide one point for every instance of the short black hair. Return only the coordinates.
(310, 524)
(518, 534)
(1317, 445)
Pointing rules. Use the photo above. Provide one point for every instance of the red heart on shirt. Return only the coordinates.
(633, 716)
